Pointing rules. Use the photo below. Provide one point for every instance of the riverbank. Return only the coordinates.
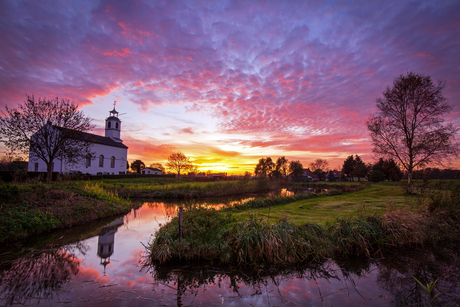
(430, 217)
(30, 209)
(144, 188)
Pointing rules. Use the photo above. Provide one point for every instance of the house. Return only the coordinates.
(151, 171)
(306, 176)
(109, 154)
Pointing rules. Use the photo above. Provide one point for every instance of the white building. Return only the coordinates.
(109, 153)
(151, 171)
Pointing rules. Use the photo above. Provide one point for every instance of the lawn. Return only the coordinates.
(374, 199)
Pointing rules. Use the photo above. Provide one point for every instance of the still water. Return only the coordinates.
(103, 264)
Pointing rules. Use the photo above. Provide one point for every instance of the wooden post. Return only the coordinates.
(181, 210)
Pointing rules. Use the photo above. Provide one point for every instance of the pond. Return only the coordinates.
(103, 264)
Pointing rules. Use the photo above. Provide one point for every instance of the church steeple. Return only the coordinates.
(113, 125)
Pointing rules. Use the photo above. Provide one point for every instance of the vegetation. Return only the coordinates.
(47, 128)
(137, 166)
(409, 125)
(36, 208)
(319, 168)
(296, 168)
(173, 188)
(178, 162)
(264, 168)
(430, 218)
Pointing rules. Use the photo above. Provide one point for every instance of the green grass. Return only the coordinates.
(179, 188)
(370, 200)
(28, 209)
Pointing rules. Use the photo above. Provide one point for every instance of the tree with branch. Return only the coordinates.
(48, 129)
(409, 125)
(178, 162)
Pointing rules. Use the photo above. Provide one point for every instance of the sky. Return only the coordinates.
(228, 82)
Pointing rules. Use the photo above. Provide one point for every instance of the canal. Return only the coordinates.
(104, 264)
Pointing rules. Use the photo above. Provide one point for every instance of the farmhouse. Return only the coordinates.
(306, 176)
(151, 171)
(109, 154)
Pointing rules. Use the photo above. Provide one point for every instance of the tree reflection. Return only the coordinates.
(188, 280)
(394, 277)
(39, 274)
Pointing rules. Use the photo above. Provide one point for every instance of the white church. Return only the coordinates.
(109, 153)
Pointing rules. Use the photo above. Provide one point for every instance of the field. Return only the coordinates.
(375, 199)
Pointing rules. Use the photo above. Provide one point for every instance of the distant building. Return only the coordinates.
(151, 171)
(306, 176)
(109, 153)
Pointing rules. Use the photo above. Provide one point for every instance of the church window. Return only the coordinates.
(101, 161)
(108, 124)
(88, 160)
(36, 167)
(116, 125)
(112, 162)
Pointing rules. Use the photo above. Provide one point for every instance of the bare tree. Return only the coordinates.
(47, 129)
(319, 164)
(409, 125)
(178, 162)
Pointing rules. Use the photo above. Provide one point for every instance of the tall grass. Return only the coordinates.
(95, 190)
(193, 189)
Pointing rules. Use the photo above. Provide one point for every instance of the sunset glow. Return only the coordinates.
(228, 82)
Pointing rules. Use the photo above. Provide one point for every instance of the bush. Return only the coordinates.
(8, 193)
(376, 176)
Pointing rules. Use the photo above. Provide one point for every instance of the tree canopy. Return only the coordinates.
(47, 129)
(319, 168)
(409, 124)
(137, 166)
(265, 167)
(296, 168)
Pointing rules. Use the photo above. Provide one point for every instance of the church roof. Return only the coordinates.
(94, 138)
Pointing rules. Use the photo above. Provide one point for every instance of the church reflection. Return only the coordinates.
(106, 242)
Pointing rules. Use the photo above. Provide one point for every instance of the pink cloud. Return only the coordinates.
(302, 76)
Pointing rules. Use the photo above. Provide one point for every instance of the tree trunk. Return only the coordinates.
(410, 182)
(49, 172)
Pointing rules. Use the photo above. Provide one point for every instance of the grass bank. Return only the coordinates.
(178, 188)
(324, 207)
(29, 209)
(430, 217)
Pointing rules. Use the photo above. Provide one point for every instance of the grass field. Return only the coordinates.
(371, 200)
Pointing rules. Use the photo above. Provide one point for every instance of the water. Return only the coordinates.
(103, 264)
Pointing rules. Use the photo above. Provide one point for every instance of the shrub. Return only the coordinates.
(376, 176)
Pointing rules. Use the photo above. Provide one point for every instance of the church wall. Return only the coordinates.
(120, 155)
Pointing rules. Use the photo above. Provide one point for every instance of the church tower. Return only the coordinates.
(113, 126)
